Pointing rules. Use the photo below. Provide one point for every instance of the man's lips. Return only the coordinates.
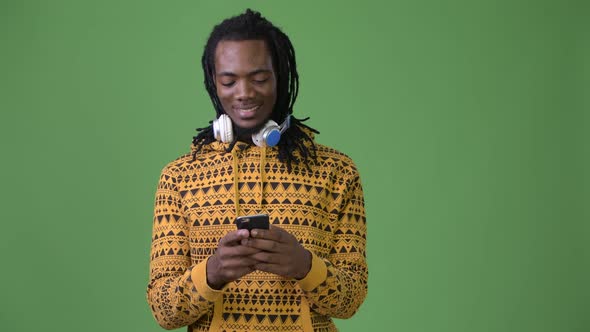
(246, 111)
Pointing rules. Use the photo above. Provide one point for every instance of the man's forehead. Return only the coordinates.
(243, 55)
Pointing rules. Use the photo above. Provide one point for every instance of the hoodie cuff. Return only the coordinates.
(199, 277)
(316, 275)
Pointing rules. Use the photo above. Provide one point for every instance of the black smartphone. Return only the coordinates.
(259, 221)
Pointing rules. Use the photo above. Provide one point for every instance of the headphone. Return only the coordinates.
(268, 135)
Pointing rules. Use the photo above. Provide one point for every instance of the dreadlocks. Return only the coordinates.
(252, 26)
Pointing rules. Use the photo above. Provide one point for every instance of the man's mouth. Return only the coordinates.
(247, 111)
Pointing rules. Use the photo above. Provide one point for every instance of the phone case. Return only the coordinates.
(259, 221)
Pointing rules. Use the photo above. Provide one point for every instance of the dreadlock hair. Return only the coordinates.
(252, 26)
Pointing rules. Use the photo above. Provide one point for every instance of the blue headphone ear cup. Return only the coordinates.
(269, 135)
(222, 129)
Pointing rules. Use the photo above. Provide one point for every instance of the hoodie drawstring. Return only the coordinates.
(236, 189)
(262, 162)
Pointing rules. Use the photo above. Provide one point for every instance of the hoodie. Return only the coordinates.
(196, 204)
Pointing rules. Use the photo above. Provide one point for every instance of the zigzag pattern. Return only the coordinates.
(322, 207)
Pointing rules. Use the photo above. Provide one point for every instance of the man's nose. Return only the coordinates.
(244, 90)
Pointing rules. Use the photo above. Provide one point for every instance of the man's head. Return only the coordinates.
(250, 70)
(251, 75)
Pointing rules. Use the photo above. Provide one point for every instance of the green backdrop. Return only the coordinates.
(468, 121)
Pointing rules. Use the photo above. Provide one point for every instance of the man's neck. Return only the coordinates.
(245, 134)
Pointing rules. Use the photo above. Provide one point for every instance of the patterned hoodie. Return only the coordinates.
(196, 205)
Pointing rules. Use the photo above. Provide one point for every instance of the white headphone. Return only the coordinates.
(268, 135)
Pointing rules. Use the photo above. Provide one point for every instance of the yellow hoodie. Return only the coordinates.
(196, 205)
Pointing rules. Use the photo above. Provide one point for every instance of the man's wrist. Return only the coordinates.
(306, 266)
(211, 279)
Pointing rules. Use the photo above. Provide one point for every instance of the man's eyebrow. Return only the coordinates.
(254, 72)
(258, 71)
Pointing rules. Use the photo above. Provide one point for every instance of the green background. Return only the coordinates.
(468, 121)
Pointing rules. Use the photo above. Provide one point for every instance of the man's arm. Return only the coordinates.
(337, 285)
(177, 293)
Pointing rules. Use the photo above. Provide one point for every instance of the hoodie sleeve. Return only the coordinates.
(177, 293)
(336, 286)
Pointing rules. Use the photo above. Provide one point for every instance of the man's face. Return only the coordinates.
(245, 81)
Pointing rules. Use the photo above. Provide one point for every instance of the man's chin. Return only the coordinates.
(246, 132)
(247, 123)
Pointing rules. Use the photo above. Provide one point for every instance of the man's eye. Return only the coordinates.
(261, 80)
(228, 84)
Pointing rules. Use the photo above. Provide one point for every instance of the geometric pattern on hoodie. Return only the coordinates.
(196, 204)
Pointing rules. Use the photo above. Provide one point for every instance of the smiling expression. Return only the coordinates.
(245, 81)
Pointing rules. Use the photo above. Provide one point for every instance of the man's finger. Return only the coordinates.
(234, 237)
(275, 233)
(237, 263)
(239, 251)
(263, 244)
(266, 257)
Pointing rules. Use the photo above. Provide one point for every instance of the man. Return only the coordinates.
(310, 265)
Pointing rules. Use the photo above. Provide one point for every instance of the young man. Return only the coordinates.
(310, 264)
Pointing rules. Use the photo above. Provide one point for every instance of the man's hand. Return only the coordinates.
(231, 260)
(279, 252)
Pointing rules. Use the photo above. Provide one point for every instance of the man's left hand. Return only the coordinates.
(281, 253)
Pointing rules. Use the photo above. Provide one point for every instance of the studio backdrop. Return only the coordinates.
(468, 121)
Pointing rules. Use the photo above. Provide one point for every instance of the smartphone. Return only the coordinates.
(259, 221)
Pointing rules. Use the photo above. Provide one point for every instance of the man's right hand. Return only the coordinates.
(231, 260)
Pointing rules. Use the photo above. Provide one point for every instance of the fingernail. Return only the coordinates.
(254, 232)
